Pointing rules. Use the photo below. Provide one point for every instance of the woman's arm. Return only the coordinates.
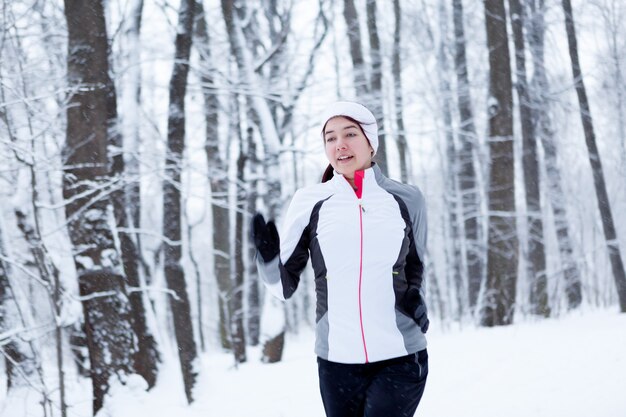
(281, 274)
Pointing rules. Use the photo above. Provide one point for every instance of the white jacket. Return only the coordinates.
(365, 253)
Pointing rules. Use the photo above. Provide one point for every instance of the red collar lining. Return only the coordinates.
(358, 182)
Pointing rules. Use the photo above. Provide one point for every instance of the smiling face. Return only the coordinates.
(347, 147)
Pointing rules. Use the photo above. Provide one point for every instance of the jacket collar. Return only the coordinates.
(372, 173)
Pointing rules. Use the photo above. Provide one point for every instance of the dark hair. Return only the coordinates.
(329, 172)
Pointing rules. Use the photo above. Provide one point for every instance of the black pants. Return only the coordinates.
(390, 388)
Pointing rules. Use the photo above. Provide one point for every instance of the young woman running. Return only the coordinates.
(366, 237)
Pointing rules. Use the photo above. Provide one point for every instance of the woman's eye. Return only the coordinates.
(330, 139)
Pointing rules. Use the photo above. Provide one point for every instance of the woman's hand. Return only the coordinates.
(265, 237)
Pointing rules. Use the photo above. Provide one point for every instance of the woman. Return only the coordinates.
(366, 236)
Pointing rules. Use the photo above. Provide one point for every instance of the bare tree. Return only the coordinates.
(602, 196)
(351, 16)
(502, 256)
(218, 178)
(536, 260)
(295, 92)
(260, 111)
(49, 275)
(126, 207)
(467, 173)
(260, 114)
(539, 94)
(254, 296)
(24, 364)
(85, 183)
(375, 96)
(236, 298)
(19, 361)
(133, 189)
(612, 14)
(172, 252)
(278, 24)
(396, 70)
(277, 83)
(451, 192)
(369, 92)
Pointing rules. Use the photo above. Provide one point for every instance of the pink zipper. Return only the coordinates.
(360, 280)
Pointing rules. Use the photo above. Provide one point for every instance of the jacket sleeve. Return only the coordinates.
(417, 251)
(282, 275)
(414, 299)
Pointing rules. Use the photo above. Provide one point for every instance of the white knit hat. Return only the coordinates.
(358, 112)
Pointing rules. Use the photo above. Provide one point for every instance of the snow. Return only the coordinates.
(571, 366)
(273, 317)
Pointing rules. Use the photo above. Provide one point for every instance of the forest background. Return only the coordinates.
(138, 137)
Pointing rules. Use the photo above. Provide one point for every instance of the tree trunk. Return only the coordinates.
(19, 365)
(147, 355)
(259, 109)
(467, 173)
(211, 107)
(612, 13)
(109, 333)
(536, 261)
(606, 215)
(254, 296)
(172, 200)
(273, 348)
(79, 348)
(403, 148)
(541, 116)
(107, 324)
(50, 274)
(23, 364)
(356, 53)
(132, 142)
(502, 255)
(278, 24)
(262, 117)
(451, 193)
(218, 180)
(236, 298)
(375, 97)
(132, 114)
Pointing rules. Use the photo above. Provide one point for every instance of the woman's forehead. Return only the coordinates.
(339, 123)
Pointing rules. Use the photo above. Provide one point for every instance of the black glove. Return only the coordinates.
(414, 304)
(265, 237)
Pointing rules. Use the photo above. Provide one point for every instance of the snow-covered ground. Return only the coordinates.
(574, 366)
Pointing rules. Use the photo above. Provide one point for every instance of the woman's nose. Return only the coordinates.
(341, 144)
